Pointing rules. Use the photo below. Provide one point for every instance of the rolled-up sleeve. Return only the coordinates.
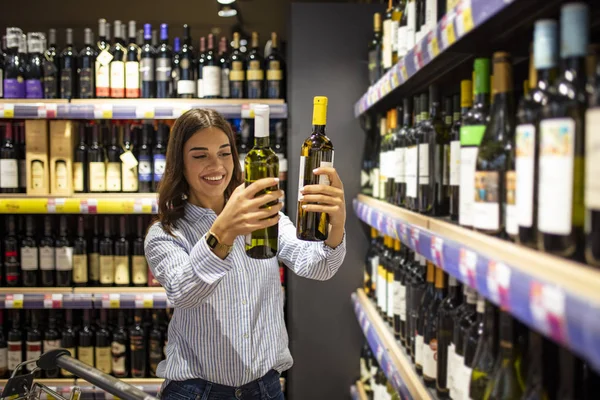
(188, 277)
(312, 260)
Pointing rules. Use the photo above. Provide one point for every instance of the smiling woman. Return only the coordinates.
(227, 337)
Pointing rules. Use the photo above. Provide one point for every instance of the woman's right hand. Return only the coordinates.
(244, 213)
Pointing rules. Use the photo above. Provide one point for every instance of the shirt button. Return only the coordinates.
(244, 302)
(245, 336)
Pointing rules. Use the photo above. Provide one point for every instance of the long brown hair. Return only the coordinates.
(173, 187)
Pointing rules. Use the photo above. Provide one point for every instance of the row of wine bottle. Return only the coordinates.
(517, 173)
(462, 345)
(123, 343)
(86, 251)
(142, 68)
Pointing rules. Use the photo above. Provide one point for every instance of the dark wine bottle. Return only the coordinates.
(47, 254)
(103, 60)
(405, 280)
(132, 64)
(430, 330)
(29, 254)
(144, 157)
(120, 349)
(64, 255)
(164, 59)
(129, 169)
(485, 354)
(201, 60)
(107, 260)
(492, 158)
(19, 131)
(139, 347)
(186, 86)
(237, 75)
(445, 329)
(103, 355)
(52, 341)
(275, 67)
(159, 153)
(411, 159)
(175, 65)
(96, 164)
(117, 64)
(571, 386)
(374, 51)
(466, 102)
(156, 345)
(426, 299)
(542, 73)
(225, 68)
(366, 186)
(68, 340)
(398, 289)
(33, 68)
(211, 71)
(80, 170)
(471, 133)
(68, 68)
(415, 292)
(12, 265)
(3, 349)
(85, 343)
(86, 67)
(371, 265)
(94, 253)
(114, 180)
(562, 126)
(9, 165)
(399, 195)
(390, 272)
(80, 256)
(15, 342)
(592, 205)
(33, 347)
(122, 276)
(50, 68)
(14, 68)
(255, 74)
(139, 266)
(470, 328)
(147, 64)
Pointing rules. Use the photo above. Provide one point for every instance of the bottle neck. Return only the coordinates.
(319, 129)
(261, 142)
(482, 99)
(574, 70)
(545, 77)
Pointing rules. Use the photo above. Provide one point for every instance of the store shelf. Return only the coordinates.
(131, 108)
(557, 297)
(105, 203)
(131, 299)
(392, 359)
(357, 391)
(470, 28)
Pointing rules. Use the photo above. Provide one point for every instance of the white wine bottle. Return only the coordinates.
(317, 152)
(262, 162)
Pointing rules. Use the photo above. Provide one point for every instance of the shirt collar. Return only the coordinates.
(194, 213)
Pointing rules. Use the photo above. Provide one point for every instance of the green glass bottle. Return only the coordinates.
(262, 162)
(485, 355)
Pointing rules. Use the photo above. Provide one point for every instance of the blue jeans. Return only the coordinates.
(266, 388)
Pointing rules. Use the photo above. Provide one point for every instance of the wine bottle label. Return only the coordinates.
(86, 355)
(29, 258)
(34, 351)
(4, 358)
(557, 164)
(51, 345)
(117, 79)
(130, 178)
(450, 368)
(225, 83)
(94, 270)
(139, 270)
(383, 169)
(424, 164)
(61, 176)
(411, 170)
(136, 343)
(14, 88)
(390, 294)
(465, 381)
(147, 69)
(200, 88)
(373, 61)
(237, 73)
(66, 83)
(364, 371)
(15, 354)
(37, 174)
(401, 41)
(50, 87)
(132, 79)
(104, 58)
(103, 74)
(97, 176)
(419, 350)
(144, 168)
(592, 159)
(324, 179)
(524, 163)
(397, 300)
(104, 359)
(64, 372)
(9, 178)
(107, 270)
(445, 159)
(47, 258)
(382, 285)
(486, 209)
(113, 177)
(470, 138)
(411, 24)
(430, 359)
(187, 87)
(78, 182)
(510, 211)
(80, 268)
(33, 89)
(64, 258)
(375, 182)
(301, 177)
(274, 72)
(86, 83)
(160, 163)
(211, 76)
(121, 270)
(374, 271)
(386, 46)
(454, 162)
(401, 303)
(163, 69)
(399, 153)
(394, 36)
(119, 352)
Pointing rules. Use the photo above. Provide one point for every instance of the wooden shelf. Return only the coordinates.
(119, 290)
(48, 382)
(360, 389)
(89, 203)
(35, 290)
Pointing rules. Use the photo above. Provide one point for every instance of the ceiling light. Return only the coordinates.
(225, 1)
(227, 11)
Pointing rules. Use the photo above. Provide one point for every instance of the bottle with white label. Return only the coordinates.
(103, 61)
(471, 133)
(33, 344)
(47, 254)
(492, 167)
(64, 255)
(139, 266)
(107, 259)
(317, 152)
(211, 71)
(129, 163)
(398, 289)
(186, 84)
(96, 162)
(466, 316)
(29, 254)
(445, 328)
(122, 276)
(80, 256)
(132, 64)
(15, 342)
(113, 155)
(562, 126)
(144, 157)
(430, 330)
(399, 195)
(466, 102)
(592, 168)
(423, 306)
(117, 64)
(9, 165)
(160, 154)
(411, 159)
(164, 58)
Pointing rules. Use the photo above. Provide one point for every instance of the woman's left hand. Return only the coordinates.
(330, 198)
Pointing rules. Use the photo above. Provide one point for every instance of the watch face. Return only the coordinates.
(211, 241)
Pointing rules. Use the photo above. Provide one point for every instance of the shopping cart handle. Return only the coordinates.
(48, 360)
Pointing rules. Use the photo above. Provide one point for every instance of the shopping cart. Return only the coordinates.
(23, 386)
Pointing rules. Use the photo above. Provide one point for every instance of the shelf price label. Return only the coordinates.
(433, 47)
(8, 110)
(547, 306)
(144, 301)
(379, 222)
(498, 283)
(404, 233)
(464, 18)
(56, 205)
(144, 112)
(379, 352)
(88, 206)
(53, 300)
(144, 206)
(13, 301)
(112, 300)
(437, 251)
(467, 266)
(447, 29)
(103, 111)
(414, 238)
(47, 111)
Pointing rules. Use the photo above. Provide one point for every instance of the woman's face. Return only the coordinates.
(208, 164)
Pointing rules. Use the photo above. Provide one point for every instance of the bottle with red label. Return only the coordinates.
(12, 264)
(15, 342)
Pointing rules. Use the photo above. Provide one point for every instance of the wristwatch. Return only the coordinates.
(214, 243)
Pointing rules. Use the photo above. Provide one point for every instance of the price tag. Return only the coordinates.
(248, 111)
(437, 251)
(56, 205)
(403, 72)
(180, 110)
(53, 300)
(112, 300)
(51, 110)
(498, 283)
(417, 58)
(467, 16)
(366, 325)
(144, 301)
(395, 80)
(547, 305)
(379, 223)
(467, 266)
(404, 233)
(144, 112)
(8, 110)
(14, 301)
(88, 206)
(448, 35)
(103, 111)
(414, 238)
(435, 48)
(143, 206)
(379, 352)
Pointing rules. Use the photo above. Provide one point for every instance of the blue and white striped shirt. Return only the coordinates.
(228, 326)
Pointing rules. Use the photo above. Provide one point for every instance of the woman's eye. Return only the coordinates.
(200, 156)
(225, 154)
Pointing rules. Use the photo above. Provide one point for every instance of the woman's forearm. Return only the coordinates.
(336, 235)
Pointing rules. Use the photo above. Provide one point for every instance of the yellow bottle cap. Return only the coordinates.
(466, 93)
(320, 110)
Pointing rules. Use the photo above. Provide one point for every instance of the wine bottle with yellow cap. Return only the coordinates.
(317, 152)
(262, 162)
